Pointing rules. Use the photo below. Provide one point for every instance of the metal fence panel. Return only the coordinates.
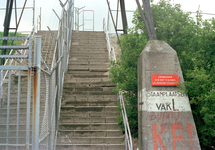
(15, 97)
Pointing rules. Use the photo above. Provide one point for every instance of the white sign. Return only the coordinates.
(160, 101)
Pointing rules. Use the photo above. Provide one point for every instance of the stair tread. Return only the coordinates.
(88, 97)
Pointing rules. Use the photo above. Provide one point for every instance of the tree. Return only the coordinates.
(195, 46)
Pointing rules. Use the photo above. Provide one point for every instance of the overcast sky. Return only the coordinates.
(100, 11)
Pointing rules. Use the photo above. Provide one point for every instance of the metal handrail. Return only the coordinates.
(111, 53)
(25, 51)
(61, 54)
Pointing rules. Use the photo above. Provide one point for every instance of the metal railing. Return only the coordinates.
(22, 124)
(47, 87)
(55, 75)
(128, 138)
(4, 75)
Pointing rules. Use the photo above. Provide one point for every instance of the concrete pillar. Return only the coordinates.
(165, 119)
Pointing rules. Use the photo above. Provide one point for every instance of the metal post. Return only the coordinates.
(18, 109)
(149, 19)
(7, 19)
(40, 17)
(36, 102)
(33, 13)
(28, 96)
(143, 18)
(113, 23)
(108, 18)
(8, 108)
(124, 19)
(50, 114)
(1, 88)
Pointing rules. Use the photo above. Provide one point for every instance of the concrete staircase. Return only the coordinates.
(47, 53)
(88, 119)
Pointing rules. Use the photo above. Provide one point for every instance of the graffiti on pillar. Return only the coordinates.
(175, 138)
(169, 120)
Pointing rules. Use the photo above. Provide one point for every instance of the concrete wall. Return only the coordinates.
(164, 115)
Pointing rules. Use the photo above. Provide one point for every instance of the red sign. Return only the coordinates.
(165, 80)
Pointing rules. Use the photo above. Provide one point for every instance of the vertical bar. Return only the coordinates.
(149, 18)
(93, 20)
(143, 18)
(50, 112)
(28, 97)
(18, 106)
(8, 108)
(108, 18)
(117, 11)
(40, 17)
(36, 102)
(33, 12)
(113, 23)
(124, 18)
(83, 20)
(1, 88)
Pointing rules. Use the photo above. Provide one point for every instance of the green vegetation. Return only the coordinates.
(195, 46)
(10, 41)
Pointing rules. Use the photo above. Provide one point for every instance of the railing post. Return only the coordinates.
(50, 114)
(36, 89)
(1, 88)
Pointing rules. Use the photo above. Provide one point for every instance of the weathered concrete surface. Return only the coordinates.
(164, 115)
(88, 119)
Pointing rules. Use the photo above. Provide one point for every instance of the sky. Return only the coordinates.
(98, 6)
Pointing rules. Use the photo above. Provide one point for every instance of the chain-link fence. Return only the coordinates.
(52, 79)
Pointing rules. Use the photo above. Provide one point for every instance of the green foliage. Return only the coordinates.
(10, 41)
(195, 46)
(124, 72)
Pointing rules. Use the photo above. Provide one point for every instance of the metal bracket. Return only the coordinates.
(52, 33)
(61, 4)
(56, 15)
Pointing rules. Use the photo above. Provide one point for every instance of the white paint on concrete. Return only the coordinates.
(160, 101)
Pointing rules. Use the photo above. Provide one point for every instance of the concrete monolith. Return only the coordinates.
(165, 119)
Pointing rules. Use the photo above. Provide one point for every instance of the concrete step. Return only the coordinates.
(89, 98)
(79, 40)
(88, 120)
(12, 140)
(92, 46)
(88, 37)
(87, 80)
(88, 85)
(90, 133)
(91, 67)
(89, 57)
(3, 127)
(90, 146)
(88, 126)
(77, 49)
(88, 53)
(68, 92)
(89, 109)
(80, 53)
(13, 120)
(85, 73)
(90, 140)
(87, 103)
(13, 147)
(90, 114)
(88, 89)
(12, 133)
(88, 60)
